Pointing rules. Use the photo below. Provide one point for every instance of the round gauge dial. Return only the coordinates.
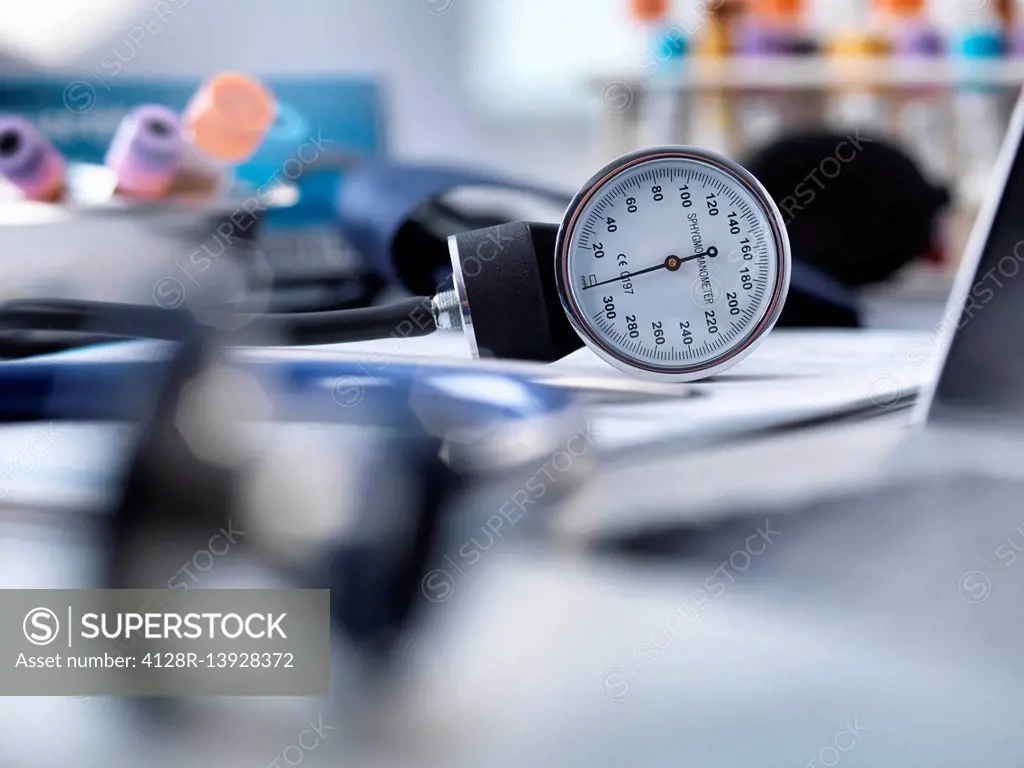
(672, 263)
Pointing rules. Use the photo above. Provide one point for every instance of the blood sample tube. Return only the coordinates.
(223, 125)
(29, 161)
(146, 152)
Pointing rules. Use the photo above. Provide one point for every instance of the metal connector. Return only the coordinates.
(447, 311)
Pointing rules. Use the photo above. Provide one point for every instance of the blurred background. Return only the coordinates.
(874, 125)
(501, 82)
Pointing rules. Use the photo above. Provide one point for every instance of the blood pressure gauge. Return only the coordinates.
(672, 263)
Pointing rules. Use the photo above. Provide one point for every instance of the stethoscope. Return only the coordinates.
(439, 431)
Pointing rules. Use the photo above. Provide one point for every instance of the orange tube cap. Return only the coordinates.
(229, 116)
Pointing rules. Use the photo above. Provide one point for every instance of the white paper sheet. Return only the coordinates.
(793, 376)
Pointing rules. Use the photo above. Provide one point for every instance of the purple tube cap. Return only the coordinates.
(21, 146)
(1015, 41)
(918, 41)
(149, 135)
(754, 39)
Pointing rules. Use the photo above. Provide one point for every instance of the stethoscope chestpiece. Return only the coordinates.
(362, 514)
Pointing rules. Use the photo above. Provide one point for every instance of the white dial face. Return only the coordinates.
(671, 265)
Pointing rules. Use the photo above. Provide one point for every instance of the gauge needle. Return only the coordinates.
(671, 263)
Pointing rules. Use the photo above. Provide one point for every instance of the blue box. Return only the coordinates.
(344, 115)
